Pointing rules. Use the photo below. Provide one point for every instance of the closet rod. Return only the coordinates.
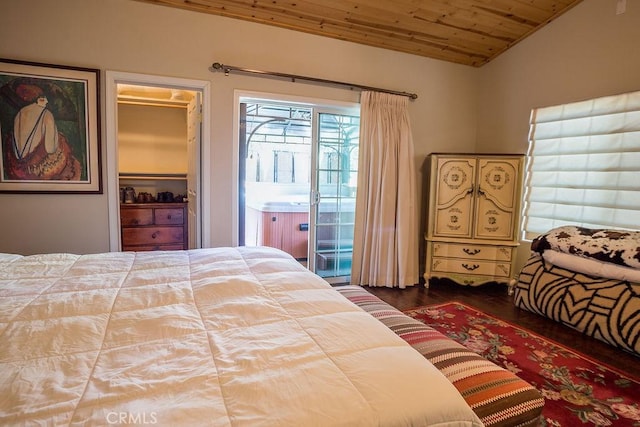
(228, 68)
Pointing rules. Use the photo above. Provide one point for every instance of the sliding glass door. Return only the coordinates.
(297, 181)
(333, 194)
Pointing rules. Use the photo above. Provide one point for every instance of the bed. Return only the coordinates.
(588, 279)
(219, 337)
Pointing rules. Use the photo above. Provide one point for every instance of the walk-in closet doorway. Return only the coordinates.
(128, 165)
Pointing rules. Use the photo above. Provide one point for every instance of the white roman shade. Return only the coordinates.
(583, 165)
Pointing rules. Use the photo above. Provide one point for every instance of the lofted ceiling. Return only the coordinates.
(470, 32)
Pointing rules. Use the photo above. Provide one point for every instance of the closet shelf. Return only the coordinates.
(153, 176)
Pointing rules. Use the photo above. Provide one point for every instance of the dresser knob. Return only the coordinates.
(154, 235)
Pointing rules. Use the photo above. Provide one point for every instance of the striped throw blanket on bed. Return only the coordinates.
(497, 396)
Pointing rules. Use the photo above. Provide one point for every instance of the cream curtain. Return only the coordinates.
(385, 246)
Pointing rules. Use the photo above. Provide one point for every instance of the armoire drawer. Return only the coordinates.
(477, 267)
(472, 251)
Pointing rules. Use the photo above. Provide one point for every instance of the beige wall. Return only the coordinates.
(152, 139)
(130, 36)
(587, 52)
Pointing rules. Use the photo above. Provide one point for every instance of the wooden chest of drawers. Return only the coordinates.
(154, 226)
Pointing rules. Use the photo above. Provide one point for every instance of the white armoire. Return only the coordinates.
(473, 217)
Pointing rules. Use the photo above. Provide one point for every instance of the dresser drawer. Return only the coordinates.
(152, 235)
(154, 226)
(169, 216)
(136, 216)
(477, 267)
(170, 247)
(472, 252)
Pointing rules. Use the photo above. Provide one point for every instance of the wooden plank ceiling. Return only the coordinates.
(470, 32)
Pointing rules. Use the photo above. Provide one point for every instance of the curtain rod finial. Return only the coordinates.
(216, 66)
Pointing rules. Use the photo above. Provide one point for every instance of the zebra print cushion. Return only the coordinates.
(606, 309)
(497, 396)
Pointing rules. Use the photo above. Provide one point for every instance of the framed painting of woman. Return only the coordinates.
(50, 128)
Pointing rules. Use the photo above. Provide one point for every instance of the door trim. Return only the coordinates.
(112, 79)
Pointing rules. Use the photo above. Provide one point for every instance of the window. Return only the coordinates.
(583, 165)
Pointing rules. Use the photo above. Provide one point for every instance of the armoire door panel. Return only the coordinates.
(454, 220)
(457, 180)
(491, 221)
(497, 181)
(454, 197)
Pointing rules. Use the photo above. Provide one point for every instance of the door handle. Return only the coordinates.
(315, 197)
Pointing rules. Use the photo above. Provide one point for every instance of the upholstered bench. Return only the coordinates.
(587, 279)
(496, 395)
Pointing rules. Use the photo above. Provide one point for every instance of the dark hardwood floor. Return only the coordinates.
(493, 299)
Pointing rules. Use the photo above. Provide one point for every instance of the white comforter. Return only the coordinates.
(210, 337)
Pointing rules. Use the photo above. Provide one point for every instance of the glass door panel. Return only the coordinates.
(275, 176)
(333, 195)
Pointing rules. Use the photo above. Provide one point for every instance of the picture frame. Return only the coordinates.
(49, 128)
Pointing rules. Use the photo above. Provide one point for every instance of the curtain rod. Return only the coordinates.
(228, 68)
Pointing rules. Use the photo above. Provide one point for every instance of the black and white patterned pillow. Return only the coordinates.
(621, 247)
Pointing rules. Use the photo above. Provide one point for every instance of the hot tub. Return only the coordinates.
(283, 220)
(280, 222)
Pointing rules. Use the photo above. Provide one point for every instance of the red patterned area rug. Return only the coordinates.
(577, 390)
